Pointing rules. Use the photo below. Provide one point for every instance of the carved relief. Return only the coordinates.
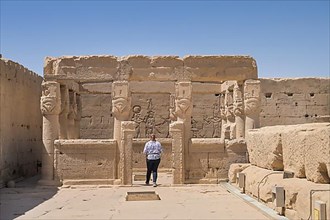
(50, 102)
(151, 115)
(138, 119)
(206, 122)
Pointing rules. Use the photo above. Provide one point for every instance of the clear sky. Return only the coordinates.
(287, 38)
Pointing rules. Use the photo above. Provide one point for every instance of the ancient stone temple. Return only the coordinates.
(98, 111)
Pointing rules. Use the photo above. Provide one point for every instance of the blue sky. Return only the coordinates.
(287, 38)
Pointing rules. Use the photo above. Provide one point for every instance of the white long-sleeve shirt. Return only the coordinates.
(153, 150)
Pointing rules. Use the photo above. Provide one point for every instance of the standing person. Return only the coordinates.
(153, 150)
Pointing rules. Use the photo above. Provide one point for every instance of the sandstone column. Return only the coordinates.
(183, 112)
(238, 110)
(77, 119)
(229, 111)
(251, 104)
(64, 113)
(121, 105)
(223, 116)
(178, 153)
(73, 111)
(50, 105)
(126, 152)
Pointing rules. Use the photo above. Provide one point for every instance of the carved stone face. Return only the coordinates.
(238, 107)
(119, 105)
(50, 100)
(47, 104)
(183, 104)
(251, 105)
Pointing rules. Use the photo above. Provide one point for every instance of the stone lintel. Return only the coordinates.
(151, 87)
(220, 68)
(96, 88)
(150, 68)
(207, 145)
(86, 143)
(201, 88)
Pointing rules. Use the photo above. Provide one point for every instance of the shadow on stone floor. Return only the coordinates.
(27, 195)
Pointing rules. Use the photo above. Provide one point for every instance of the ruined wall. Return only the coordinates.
(21, 121)
(294, 101)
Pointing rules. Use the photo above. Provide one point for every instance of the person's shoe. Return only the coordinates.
(147, 184)
(154, 184)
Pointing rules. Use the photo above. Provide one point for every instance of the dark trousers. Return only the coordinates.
(152, 166)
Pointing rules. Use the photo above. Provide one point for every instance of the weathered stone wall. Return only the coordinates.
(283, 102)
(210, 158)
(294, 101)
(21, 121)
(96, 117)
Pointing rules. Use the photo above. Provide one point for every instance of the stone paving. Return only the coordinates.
(28, 201)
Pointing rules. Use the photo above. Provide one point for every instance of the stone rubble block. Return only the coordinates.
(306, 151)
(265, 147)
(303, 149)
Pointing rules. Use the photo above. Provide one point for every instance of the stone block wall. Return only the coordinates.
(85, 159)
(209, 159)
(288, 101)
(21, 121)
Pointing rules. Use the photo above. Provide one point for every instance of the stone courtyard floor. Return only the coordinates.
(29, 201)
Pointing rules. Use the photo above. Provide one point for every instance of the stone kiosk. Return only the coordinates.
(98, 111)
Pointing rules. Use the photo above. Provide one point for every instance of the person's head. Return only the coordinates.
(153, 137)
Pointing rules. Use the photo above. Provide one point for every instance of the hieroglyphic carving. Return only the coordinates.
(215, 119)
(50, 102)
(206, 122)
